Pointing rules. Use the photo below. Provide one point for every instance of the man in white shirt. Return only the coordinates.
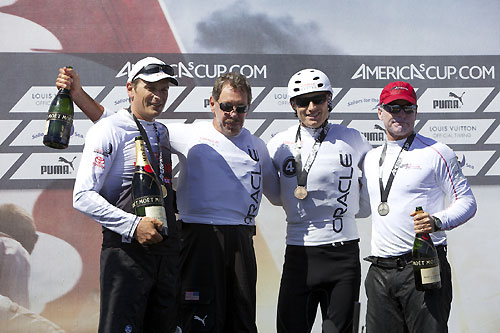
(319, 166)
(138, 262)
(408, 171)
(224, 170)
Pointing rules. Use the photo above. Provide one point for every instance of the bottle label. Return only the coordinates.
(430, 275)
(59, 116)
(423, 263)
(148, 201)
(58, 124)
(157, 212)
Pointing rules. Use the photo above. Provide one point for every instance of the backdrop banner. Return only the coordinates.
(458, 104)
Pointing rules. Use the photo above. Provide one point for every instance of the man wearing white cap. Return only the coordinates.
(139, 262)
(318, 163)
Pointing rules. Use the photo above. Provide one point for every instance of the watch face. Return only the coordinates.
(437, 223)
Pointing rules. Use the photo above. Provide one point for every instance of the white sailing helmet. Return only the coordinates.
(308, 81)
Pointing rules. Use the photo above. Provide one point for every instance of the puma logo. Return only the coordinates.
(452, 94)
(202, 320)
(377, 126)
(461, 162)
(62, 159)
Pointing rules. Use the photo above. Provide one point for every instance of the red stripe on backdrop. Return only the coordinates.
(101, 26)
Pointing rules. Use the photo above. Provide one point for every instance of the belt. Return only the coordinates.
(397, 261)
(342, 243)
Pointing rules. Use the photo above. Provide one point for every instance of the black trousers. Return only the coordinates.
(138, 291)
(325, 275)
(394, 305)
(218, 278)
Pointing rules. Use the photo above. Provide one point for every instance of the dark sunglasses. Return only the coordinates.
(394, 109)
(304, 101)
(228, 107)
(155, 68)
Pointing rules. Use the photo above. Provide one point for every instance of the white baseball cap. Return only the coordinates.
(151, 69)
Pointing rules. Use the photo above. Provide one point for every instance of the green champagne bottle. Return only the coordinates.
(147, 199)
(425, 262)
(59, 120)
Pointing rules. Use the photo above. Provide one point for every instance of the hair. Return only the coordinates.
(235, 80)
(16, 223)
(135, 83)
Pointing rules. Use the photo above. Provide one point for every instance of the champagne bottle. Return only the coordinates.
(425, 262)
(59, 120)
(147, 199)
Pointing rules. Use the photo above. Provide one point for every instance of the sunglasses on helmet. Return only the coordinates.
(155, 68)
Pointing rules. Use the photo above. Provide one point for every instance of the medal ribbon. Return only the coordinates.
(302, 173)
(384, 192)
(158, 168)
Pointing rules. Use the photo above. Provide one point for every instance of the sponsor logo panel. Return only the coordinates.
(49, 166)
(363, 100)
(265, 72)
(424, 72)
(373, 130)
(32, 135)
(7, 161)
(452, 99)
(471, 162)
(38, 98)
(196, 101)
(494, 137)
(460, 131)
(278, 125)
(276, 101)
(494, 170)
(194, 70)
(494, 106)
(6, 127)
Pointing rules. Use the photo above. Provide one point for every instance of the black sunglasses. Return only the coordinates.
(394, 109)
(155, 68)
(304, 101)
(228, 107)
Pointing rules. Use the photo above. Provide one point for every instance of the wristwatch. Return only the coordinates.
(437, 224)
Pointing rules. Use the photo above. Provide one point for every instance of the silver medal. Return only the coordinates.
(383, 209)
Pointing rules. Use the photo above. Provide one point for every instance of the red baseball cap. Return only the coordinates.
(398, 90)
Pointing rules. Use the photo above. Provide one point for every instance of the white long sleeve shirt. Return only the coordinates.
(327, 214)
(221, 179)
(106, 170)
(428, 174)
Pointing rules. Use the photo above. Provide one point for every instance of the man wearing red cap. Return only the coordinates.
(407, 171)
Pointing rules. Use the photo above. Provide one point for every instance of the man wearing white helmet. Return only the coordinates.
(318, 163)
